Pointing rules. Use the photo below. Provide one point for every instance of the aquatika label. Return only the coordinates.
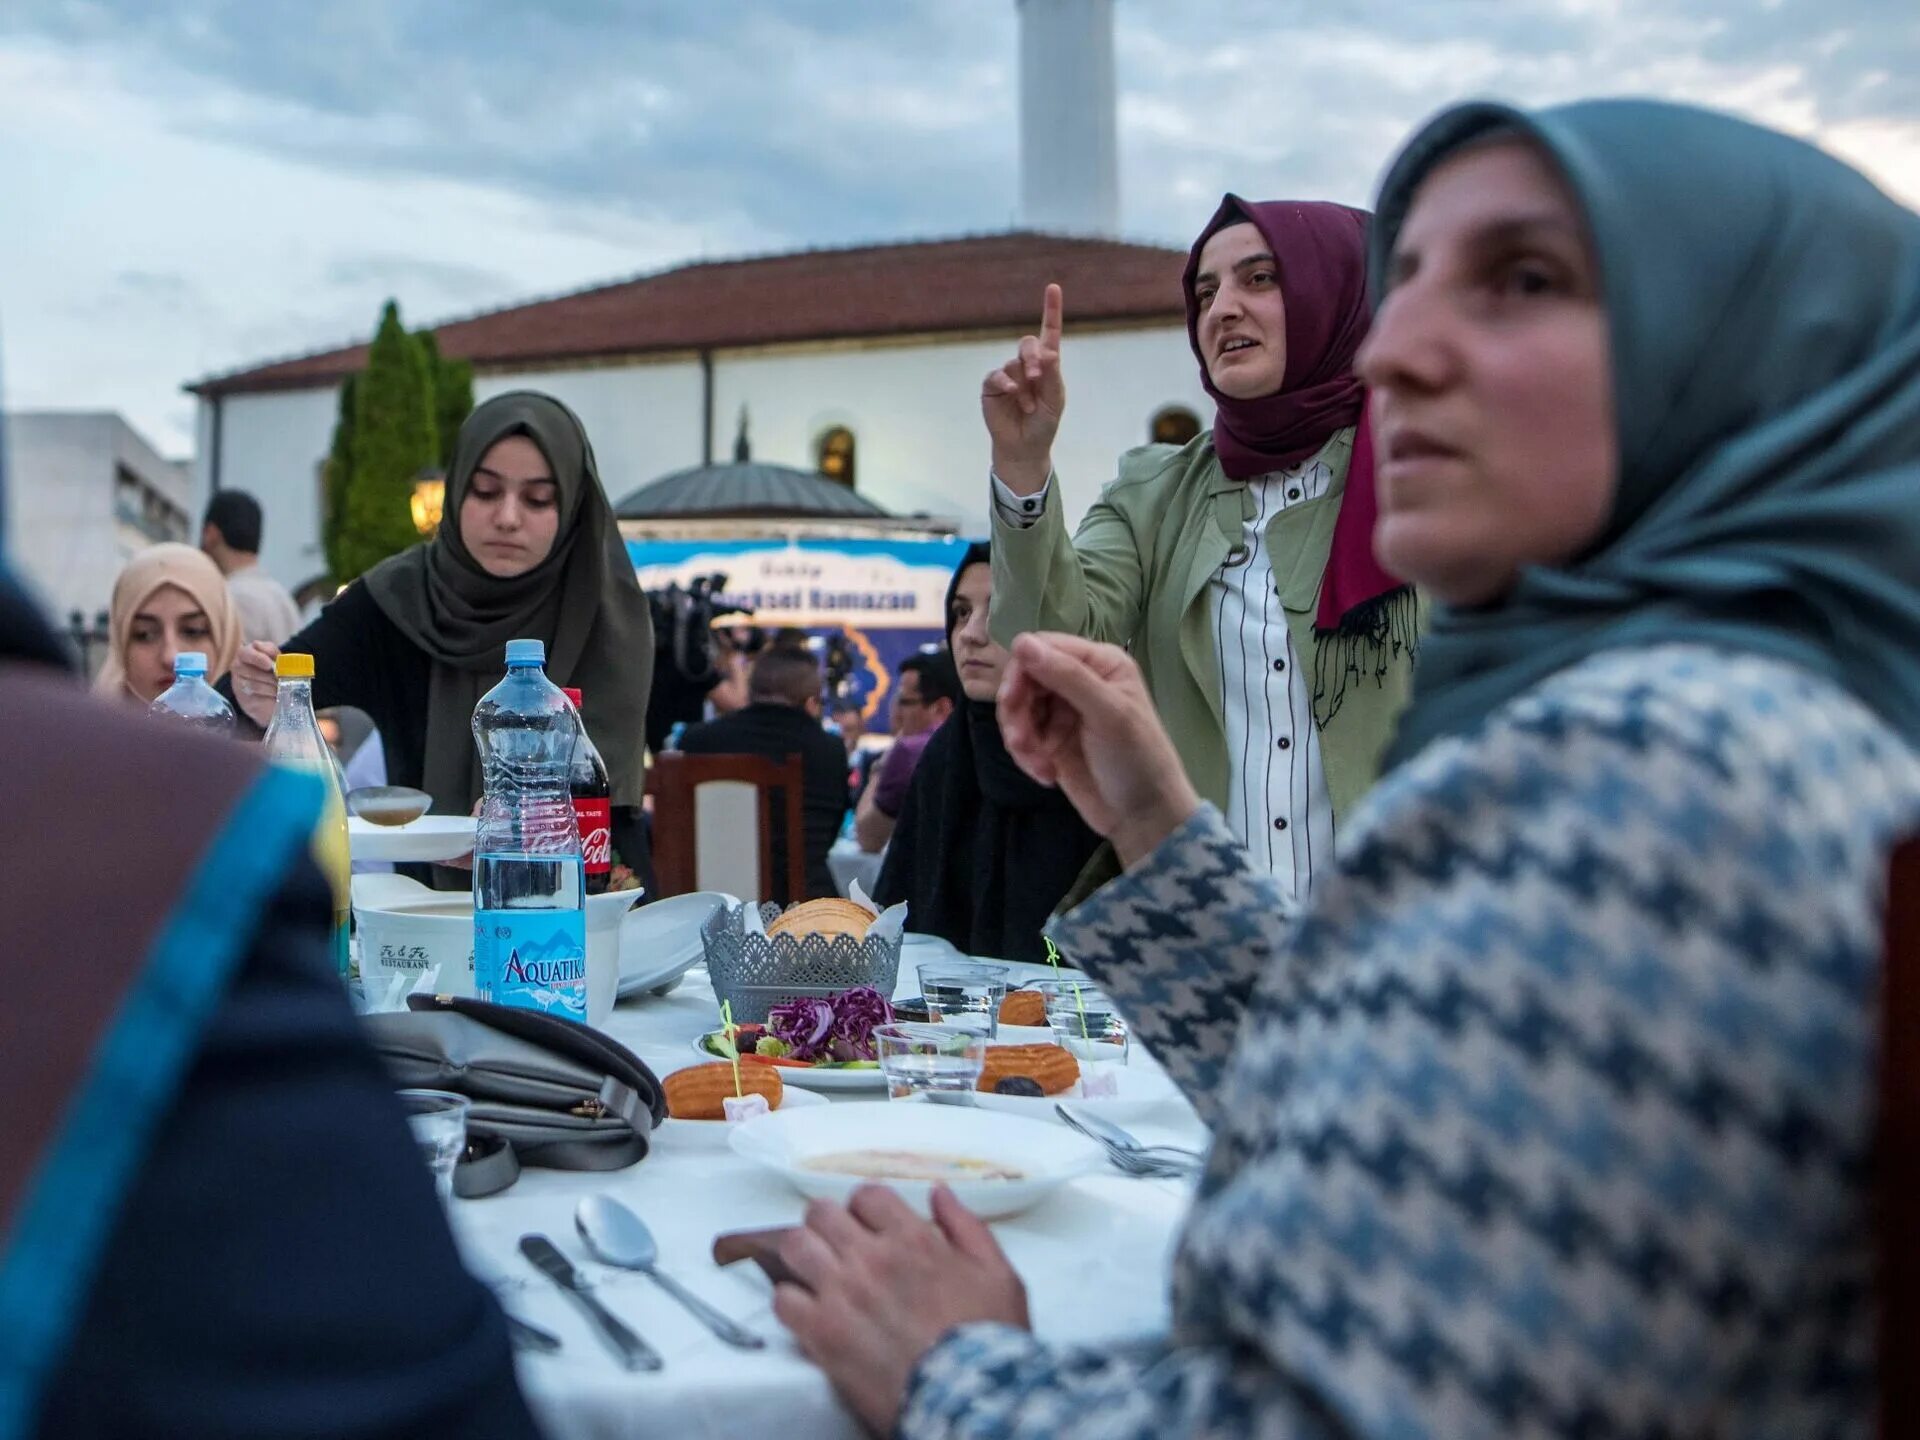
(532, 959)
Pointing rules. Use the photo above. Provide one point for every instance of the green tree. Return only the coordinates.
(452, 394)
(339, 469)
(394, 438)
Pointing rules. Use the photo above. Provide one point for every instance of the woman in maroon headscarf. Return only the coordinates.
(1237, 568)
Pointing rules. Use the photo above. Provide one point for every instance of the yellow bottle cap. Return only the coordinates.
(293, 667)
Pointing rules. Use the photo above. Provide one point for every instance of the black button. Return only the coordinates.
(1279, 664)
(1293, 494)
(1279, 824)
(1285, 743)
(1028, 505)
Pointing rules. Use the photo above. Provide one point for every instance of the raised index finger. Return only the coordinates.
(1050, 308)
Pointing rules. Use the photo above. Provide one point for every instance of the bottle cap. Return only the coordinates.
(526, 652)
(293, 667)
(190, 662)
(572, 692)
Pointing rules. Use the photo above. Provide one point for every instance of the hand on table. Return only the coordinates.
(1022, 403)
(1076, 713)
(254, 687)
(884, 1285)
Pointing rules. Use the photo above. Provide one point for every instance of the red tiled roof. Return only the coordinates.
(983, 282)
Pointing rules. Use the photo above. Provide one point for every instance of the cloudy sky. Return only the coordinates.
(192, 186)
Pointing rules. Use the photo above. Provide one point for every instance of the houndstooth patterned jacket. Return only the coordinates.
(1548, 1115)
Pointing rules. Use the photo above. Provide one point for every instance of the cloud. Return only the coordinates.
(821, 121)
(445, 279)
(228, 180)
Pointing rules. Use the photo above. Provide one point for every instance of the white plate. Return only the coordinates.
(827, 1080)
(661, 942)
(431, 837)
(715, 1131)
(1139, 1092)
(1047, 1156)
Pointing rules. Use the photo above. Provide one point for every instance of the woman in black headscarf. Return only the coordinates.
(982, 853)
(529, 550)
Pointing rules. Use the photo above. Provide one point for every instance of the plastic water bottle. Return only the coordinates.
(190, 701)
(294, 740)
(529, 889)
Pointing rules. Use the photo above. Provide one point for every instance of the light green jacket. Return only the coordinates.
(1136, 574)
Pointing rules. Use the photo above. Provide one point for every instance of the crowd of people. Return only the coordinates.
(1472, 765)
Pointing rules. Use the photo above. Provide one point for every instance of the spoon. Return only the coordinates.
(389, 804)
(619, 1237)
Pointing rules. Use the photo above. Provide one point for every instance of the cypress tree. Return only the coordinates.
(339, 469)
(452, 394)
(394, 438)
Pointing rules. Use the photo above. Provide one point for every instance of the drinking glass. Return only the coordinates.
(1085, 1023)
(438, 1119)
(965, 996)
(938, 1062)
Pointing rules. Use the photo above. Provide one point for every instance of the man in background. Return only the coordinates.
(851, 721)
(782, 718)
(230, 536)
(928, 692)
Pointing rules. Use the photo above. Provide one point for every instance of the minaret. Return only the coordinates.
(1069, 129)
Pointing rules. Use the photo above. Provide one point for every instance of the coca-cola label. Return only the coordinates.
(595, 818)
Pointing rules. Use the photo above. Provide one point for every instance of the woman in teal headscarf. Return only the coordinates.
(1552, 1111)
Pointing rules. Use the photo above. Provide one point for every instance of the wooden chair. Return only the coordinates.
(1897, 1202)
(704, 805)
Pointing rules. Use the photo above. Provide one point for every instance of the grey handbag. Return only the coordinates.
(544, 1091)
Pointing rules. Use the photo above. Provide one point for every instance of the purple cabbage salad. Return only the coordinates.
(837, 1029)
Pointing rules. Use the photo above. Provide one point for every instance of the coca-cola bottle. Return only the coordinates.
(592, 807)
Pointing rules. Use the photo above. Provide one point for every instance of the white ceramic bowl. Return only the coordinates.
(1046, 1156)
(405, 928)
(431, 837)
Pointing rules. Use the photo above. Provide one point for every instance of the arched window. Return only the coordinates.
(1173, 425)
(833, 455)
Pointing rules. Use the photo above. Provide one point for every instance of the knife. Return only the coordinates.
(634, 1353)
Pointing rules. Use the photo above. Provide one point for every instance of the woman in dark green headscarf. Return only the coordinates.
(1551, 1112)
(529, 549)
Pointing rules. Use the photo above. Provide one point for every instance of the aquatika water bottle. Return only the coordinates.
(190, 701)
(529, 895)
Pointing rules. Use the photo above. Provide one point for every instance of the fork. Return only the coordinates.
(1158, 1162)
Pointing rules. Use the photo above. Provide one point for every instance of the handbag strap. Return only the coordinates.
(487, 1166)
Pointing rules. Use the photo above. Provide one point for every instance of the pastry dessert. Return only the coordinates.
(1048, 1066)
(1023, 1007)
(824, 917)
(700, 1092)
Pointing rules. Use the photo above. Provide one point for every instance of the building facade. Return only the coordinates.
(865, 363)
(85, 492)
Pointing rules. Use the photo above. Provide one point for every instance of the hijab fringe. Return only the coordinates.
(1366, 643)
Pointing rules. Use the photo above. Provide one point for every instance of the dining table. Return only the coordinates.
(1095, 1256)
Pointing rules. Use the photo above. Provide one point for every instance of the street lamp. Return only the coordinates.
(428, 499)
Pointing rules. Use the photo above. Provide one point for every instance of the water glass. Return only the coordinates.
(966, 996)
(930, 1061)
(438, 1119)
(1085, 1023)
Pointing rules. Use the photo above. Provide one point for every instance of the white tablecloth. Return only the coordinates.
(847, 862)
(1094, 1256)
